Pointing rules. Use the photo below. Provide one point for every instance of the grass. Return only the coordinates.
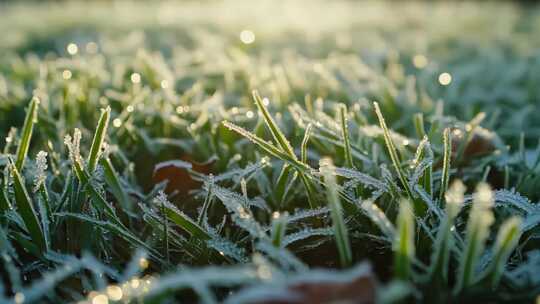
(154, 155)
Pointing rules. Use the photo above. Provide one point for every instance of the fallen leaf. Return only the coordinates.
(177, 173)
(359, 289)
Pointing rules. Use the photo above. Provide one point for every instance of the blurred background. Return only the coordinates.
(467, 55)
(493, 44)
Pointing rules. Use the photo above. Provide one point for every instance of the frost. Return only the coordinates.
(41, 168)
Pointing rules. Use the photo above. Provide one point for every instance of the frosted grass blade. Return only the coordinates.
(26, 135)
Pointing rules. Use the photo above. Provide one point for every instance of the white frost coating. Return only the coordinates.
(41, 168)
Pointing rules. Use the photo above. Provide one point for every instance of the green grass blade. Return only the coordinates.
(266, 146)
(207, 201)
(480, 219)
(418, 120)
(278, 136)
(279, 227)
(507, 240)
(378, 217)
(182, 220)
(305, 140)
(113, 181)
(392, 151)
(162, 199)
(310, 190)
(99, 137)
(97, 197)
(121, 231)
(445, 177)
(4, 202)
(424, 151)
(444, 242)
(345, 135)
(27, 130)
(25, 208)
(280, 190)
(404, 243)
(340, 229)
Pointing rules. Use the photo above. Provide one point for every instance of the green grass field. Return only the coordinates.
(269, 152)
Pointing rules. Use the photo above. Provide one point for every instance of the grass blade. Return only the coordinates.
(404, 241)
(480, 219)
(162, 200)
(27, 130)
(278, 136)
(445, 177)
(340, 229)
(378, 217)
(113, 181)
(345, 135)
(279, 226)
(266, 146)
(5, 205)
(392, 151)
(439, 260)
(305, 140)
(182, 220)
(25, 208)
(99, 137)
(280, 190)
(97, 197)
(418, 120)
(507, 239)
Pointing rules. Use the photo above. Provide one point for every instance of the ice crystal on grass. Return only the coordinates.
(41, 168)
(74, 146)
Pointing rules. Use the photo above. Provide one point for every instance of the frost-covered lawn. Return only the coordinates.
(269, 152)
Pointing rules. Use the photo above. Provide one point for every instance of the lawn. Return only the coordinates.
(269, 152)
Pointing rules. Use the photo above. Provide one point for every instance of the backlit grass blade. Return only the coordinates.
(507, 240)
(276, 152)
(279, 226)
(378, 217)
(26, 135)
(99, 137)
(345, 135)
(404, 242)
(445, 177)
(444, 242)
(480, 219)
(25, 208)
(392, 151)
(305, 140)
(424, 153)
(266, 146)
(340, 229)
(278, 136)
